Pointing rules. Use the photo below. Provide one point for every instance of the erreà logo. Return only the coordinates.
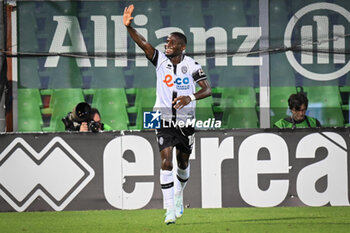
(57, 174)
(321, 42)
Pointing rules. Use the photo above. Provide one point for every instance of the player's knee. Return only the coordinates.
(182, 164)
(167, 165)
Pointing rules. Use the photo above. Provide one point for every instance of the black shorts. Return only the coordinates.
(181, 138)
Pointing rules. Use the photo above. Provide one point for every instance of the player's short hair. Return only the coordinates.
(181, 36)
(296, 100)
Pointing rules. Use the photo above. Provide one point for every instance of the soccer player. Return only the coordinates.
(177, 75)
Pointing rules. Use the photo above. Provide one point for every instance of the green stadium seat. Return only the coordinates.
(279, 102)
(325, 104)
(62, 101)
(111, 103)
(29, 114)
(29, 97)
(204, 108)
(29, 124)
(329, 96)
(238, 97)
(240, 118)
(238, 106)
(145, 99)
(101, 95)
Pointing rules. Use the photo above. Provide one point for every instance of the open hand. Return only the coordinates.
(181, 102)
(127, 18)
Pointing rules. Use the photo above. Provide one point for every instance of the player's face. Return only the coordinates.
(173, 46)
(299, 115)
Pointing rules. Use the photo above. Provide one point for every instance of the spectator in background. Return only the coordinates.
(298, 104)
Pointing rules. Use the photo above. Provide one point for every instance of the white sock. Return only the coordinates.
(167, 185)
(181, 179)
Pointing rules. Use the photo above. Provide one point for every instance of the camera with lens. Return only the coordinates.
(81, 113)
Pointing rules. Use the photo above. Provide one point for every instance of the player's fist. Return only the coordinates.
(127, 15)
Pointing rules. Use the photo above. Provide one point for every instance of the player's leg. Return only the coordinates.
(167, 184)
(182, 175)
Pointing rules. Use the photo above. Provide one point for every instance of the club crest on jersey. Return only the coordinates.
(184, 69)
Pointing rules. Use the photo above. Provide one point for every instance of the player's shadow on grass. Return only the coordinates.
(257, 220)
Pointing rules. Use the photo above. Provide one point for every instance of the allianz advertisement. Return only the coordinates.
(113, 170)
(85, 45)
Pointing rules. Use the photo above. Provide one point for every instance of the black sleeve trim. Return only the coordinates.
(154, 59)
(204, 78)
(199, 75)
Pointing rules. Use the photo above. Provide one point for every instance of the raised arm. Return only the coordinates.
(137, 37)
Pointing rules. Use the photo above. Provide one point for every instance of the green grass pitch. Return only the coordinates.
(279, 219)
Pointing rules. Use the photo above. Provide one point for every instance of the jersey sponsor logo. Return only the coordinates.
(168, 80)
(181, 83)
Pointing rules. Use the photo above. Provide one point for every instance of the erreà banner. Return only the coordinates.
(233, 168)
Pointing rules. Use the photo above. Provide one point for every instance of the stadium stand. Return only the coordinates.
(279, 102)
(144, 101)
(29, 115)
(111, 103)
(238, 106)
(62, 101)
(204, 109)
(325, 104)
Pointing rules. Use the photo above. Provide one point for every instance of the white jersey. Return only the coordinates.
(173, 81)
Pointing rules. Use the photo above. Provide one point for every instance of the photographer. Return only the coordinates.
(83, 118)
(96, 117)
